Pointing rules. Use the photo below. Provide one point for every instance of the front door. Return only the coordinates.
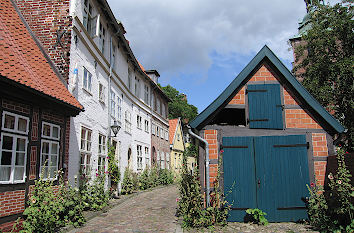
(269, 173)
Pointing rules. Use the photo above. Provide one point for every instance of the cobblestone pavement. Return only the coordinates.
(152, 211)
(286, 227)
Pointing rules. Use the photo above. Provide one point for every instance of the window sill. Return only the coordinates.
(14, 182)
(87, 91)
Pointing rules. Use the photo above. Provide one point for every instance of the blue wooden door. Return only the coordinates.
(239, 175)
(273, 170)
(265, 109)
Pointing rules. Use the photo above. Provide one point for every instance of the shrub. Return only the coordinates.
(127, 184)
(94, 196)
(144, 179)
(154, 177)
(165, 177)
(51, 207)
(191, 206)
(113, 168)
(332, 210)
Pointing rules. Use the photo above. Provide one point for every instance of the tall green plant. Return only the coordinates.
(127, 184)
(113, 168)
(93, 194)
(332, 210)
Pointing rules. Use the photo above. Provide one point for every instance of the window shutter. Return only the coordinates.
(265, 108)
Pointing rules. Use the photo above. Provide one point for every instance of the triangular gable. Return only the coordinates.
(265, 54)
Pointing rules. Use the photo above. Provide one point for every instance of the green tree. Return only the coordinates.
(326, 56)
(179, 107)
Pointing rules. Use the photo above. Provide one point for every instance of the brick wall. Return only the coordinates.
(12, 202)
(46, 18)
(7, 227)
(298, 118)
(264, 74)
(50, 116)
(239, 98)
(211, 137)
(15, 106)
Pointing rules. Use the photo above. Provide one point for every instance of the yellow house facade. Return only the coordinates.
(176, 145)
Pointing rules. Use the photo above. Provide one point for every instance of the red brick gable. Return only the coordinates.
(22, 61)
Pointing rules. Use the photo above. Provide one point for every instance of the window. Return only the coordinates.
(166, 135)
(87, 82)
(147, 126)
(87, 20)
(175, 160)
(101, 93)
(167, 160)
(13, 158)
(49, 150)
(138, 121)
(113, 57)
(101, 162)
(13, 148)
(137, 87)
(130, 74)
(147, 157)
(102, 35)
(158, 158)
(157, 131)
(153, 101)
(162, 133)
(113, 104)
(128, 123)
(153, 129)
(146, 94)
(139, 157)
(15, 123)
(158, 107)
(162, 109)
(119, 108)
(162, 160)
(178, 137)
(85, 147)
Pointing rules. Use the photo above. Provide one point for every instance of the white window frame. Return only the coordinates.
(51, 137)
(119, 108)
(101, 93)
(88, 77)
(147, 156)
(113, 104)
(162, 133)
(101, 163)
(49, 163)
(162, 161)
(87, 12)
(146, 126)
(139, 156)
(167, 160)
(128, 123)
(15, 129)
(157, 131)
(13, 157)
(146, 94)
(85, 151)
(101, 36)
(138, 121)
(137, 87)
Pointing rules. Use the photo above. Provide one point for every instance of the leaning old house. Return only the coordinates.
(35, 109)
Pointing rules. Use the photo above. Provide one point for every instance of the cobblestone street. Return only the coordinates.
(152, 211)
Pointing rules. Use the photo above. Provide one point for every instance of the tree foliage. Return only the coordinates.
(179, 107)
(326, 56)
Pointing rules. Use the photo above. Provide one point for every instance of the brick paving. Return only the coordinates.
(152, 211)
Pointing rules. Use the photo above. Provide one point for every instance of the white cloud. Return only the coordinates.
(179, 36)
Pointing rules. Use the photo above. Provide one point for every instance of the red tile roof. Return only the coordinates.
(172, 130)
(22, 61)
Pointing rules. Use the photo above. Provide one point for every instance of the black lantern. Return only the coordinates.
(115, 128)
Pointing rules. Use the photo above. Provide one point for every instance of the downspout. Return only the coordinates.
(206, 162)
(109, 92)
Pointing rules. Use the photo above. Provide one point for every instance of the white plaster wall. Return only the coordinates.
(96, 114)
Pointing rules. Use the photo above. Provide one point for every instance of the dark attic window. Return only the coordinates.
(230, 116)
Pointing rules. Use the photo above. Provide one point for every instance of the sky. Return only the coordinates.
(200, 46)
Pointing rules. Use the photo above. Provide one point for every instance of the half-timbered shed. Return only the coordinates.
(273, 138)
(35, 110)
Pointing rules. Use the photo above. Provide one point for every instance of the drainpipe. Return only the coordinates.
(109, 92)
(206, 162)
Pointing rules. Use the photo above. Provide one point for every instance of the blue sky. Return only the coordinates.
(199, 46)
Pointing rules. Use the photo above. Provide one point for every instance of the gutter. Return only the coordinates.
(206, 162)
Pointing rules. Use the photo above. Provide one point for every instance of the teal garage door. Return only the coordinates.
(269, 173)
